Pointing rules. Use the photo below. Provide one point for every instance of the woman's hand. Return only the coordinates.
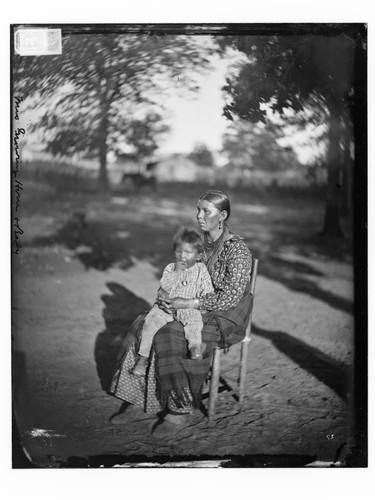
(164, 301)
(170, 305)
(166, 305)
(162, 294)
(181, 303)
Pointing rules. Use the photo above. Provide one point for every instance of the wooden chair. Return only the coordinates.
(215, 367)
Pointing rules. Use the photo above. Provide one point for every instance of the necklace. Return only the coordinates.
(213, 248)
(183, 278)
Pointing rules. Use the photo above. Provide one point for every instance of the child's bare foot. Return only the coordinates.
(196, 351)
(140, 367)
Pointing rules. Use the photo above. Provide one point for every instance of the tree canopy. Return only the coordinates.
(202, 155)
(249, 146)
(102, 91)
(286, 71)
(298, 72)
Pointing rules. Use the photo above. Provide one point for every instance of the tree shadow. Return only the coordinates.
(289, 274)
(93, 242)
(103, 244)
(337, 376)
(292, 227)
(99, 245)
(295, 266)
(295, 276)
(121, 309)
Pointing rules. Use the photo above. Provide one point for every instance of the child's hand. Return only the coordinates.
(180, 266)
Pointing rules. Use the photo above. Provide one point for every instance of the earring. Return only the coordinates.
(220, 224)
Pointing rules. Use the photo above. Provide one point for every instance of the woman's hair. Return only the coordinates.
(188, 235)
(217, 198)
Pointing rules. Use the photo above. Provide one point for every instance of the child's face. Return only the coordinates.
(186, 253)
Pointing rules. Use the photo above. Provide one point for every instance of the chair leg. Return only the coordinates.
(243, 368)
(214, 384)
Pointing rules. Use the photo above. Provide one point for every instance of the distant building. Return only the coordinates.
(176, 167)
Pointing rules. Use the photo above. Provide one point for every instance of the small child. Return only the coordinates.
(186, 278)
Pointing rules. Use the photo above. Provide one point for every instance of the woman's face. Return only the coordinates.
(208, 216)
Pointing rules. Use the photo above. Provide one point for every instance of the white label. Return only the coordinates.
(37, 41)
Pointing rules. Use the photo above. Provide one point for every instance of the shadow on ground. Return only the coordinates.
(115, 240)
(103, 244)
(293, 276)
(114, 236)
(121, 309)
(320, 365)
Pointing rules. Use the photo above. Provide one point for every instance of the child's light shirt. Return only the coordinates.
(192, 283)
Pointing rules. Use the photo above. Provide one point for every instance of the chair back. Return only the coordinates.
(253, 278)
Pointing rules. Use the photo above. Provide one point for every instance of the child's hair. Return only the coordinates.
(188, 235)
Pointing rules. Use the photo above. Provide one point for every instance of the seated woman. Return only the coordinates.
(174, 382)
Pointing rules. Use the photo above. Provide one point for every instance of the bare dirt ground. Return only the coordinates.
(88, 266)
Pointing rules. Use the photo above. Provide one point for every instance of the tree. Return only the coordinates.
(141, 134)
(102, 89)
(292, 72)
(250, 146)
(202, 156)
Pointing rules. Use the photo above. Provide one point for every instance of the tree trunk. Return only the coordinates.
(348, 177)
(103, 184)
(332, 225)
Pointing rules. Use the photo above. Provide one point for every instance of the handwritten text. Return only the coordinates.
(19, 133)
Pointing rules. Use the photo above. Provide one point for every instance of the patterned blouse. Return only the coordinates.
(230, 275)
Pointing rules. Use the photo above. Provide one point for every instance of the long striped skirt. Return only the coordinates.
(173, 380)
